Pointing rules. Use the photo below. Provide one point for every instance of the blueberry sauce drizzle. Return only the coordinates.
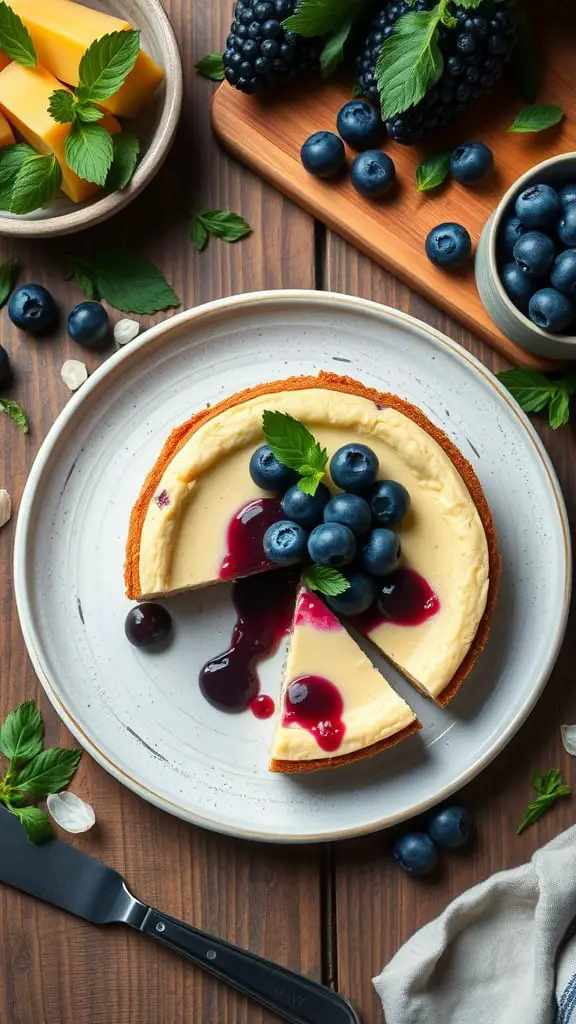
(315, 704)
(245, 535)
(405, 599)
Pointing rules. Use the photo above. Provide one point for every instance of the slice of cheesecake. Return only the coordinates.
(335, 707)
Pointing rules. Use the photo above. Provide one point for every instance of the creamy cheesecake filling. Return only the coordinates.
(184, 535)
(370, 709)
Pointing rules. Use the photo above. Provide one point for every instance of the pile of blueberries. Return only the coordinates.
(351, 531)
(537, 251)
(417, 852)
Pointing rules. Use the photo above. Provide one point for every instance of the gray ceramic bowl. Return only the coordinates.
(155, 127)
(556, 171)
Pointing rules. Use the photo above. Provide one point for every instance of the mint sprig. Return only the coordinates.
(537, 117)
(126, 280)
(333, 53)
(211, 66)
(410, 61)
(433, 171)
(224, 224)
(106, 65)
(32, 771)
(16, 413)
(15, 39)
(322, 17)
(126, 151)
(89, 151)
(325, 580)
(535, 392)
(35, 184)
(294, 446)
(548, 787)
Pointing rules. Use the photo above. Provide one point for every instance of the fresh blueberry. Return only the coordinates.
(534, 253)
(512, 230)
(323, 155)
(32, 309)
(563, 274)
(358, 598)
(305, 509)
(268, 473)
(550, 310)
(5, 369)
(381, 552)
(148, 625)
(450, 826)
(448, 245)
(373, 173)
(284, 543)
(567, 225)
(517, 285)
(567, 194)
(351, 510)
(88, 324)
(415, 853)
(354, 467)
(389, 502)
(538, 206)
(471, 163)
(360, 125)
(332, 544)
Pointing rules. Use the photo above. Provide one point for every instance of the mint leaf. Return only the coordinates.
(198, 233)
(469, 4)
(531, 389)
(49, 772)
(326, 581)
(126, 280)
(211, 66)
(35, 821)
(308, 484)
(410, 62)
(321, 17)
(15, 39)
(559, 409)
(294, 446)
(125, 160)
(106, 65)
(88, 113)
(537, 117)
(549, 787)
(333, 53)
(36, 183)
(13, 410)
(11, 160)
(8, 273)
(224, 224)
(86, 284)
(525, 63)
(61, 106)
(22, 733)
(433, 171)
(89, 151)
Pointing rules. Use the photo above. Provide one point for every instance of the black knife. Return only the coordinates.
(57, 873)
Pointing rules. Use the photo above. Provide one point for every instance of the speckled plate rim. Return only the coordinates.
(216, 312)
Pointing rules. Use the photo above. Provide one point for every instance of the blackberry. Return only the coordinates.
(475, 51)
(259, 51)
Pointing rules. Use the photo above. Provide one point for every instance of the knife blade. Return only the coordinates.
(77, 883)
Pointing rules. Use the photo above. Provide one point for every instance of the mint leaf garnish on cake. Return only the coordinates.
(294, 446)
(325, 580)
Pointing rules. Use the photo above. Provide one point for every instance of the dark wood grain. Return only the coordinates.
(55, 969)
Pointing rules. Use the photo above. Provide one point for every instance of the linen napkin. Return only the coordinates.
(502, 953)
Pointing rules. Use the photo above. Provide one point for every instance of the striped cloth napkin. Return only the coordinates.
(502, 953)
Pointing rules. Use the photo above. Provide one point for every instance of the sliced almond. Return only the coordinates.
(126, 330)
(5, 507)
(74, 374)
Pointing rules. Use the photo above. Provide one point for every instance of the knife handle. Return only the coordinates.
(292, 996)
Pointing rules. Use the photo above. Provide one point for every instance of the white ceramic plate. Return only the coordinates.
(142, 716)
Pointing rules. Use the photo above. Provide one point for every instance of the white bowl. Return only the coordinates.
(558, 170)
(155, 127)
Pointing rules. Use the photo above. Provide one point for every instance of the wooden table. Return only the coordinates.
(336, 912)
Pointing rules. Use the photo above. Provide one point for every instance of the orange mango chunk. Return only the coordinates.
(62, 31)
(24, 98)
(6, 133)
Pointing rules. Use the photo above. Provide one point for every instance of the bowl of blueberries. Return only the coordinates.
(526, 260)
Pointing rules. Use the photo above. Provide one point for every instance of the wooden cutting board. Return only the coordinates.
(267, 132)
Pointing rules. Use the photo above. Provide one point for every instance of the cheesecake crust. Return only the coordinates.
(300, 767)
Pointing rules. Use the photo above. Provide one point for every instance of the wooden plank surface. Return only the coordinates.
(267, 134)
(59, 970)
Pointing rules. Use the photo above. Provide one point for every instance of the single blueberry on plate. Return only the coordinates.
(148, 625)
(380, 553)
(268, 473)
(5, 369)
(567, 225)
(563, 274)
(517, 285)
(538, 206)
(567, 194)
(415, 853)
(389, 502)
(512, 229)
(471, 163)
(550, 310)
(360, 125)
(284, 543)
(323, 155)
(305, 509)
(88, 324)
(534, 253)
(448, 245)
(351, 510)
(354, 467)
(332, 544)
(32, 309)
(358, 598)
(373, 173)
(450, 826)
